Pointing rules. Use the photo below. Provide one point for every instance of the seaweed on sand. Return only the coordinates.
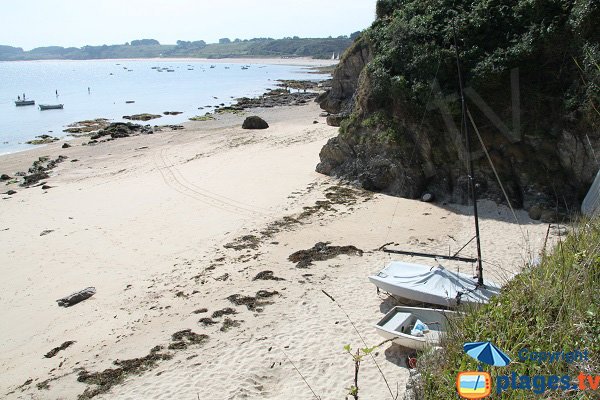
(321, 251)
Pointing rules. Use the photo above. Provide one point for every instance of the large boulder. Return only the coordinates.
(255, 122)
(336, 119)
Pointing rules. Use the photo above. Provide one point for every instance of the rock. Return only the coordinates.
(66, 145)
(142, 117)
(427, 197)
(549, 216)
(11, 192)
(46, 232)
(29, 180)
(77, 297)
(315, 122)
(535, 212)
(4, 177)
(87, 126)
(335, 120)
(46, 187)
(346, 79)
(254, 122)
(118, 130)
(172, 112)
(42, 139)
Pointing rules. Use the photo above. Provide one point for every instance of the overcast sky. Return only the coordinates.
(34, 23)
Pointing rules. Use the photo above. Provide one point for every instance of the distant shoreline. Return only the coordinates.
(296, 61)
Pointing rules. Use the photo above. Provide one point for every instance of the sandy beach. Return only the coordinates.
(170, 227)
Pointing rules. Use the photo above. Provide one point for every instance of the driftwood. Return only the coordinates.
(77, 297)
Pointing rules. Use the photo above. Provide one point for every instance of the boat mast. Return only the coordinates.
(465, 127)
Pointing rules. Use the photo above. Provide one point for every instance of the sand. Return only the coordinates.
(154, 224)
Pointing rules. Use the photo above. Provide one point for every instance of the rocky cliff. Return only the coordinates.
(532, 76)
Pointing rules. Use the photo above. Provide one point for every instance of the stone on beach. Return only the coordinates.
(255, 122)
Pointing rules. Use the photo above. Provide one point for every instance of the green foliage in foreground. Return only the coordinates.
(552, 307)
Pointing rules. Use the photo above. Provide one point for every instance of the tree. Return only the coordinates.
(354, 35)
(144, 42)
(224, 41)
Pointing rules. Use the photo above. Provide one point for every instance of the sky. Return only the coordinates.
(35, 23)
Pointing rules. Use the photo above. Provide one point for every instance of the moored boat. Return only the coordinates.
(20, 103)
(414, 328)
(51, 107)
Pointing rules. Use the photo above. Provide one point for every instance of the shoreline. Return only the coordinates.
(192, 230)
(67, 136)
(296, 61)
(216, 110)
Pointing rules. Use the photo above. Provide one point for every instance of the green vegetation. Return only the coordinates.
(205, 117)
(554, 43)
(226, 48)
(357, 358)
(552, 307)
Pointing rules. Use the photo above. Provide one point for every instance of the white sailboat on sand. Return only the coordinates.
(432, 285)
(437, 285)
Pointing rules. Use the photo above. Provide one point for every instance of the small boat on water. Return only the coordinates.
(20, 103)
(413, 327)
(51, 107)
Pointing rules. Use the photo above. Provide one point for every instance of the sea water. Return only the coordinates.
(101, 88)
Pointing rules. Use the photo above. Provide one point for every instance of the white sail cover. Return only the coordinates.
(432, 285)
(591, 203)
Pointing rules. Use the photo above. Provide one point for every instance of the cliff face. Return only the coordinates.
(532, 90)
(339, 99)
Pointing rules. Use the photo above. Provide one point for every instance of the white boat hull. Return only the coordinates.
(432, 285)
(397, 324)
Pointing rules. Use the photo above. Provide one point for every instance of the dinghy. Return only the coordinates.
(20, 103)
(51, 107)
(413, 327)
(432, 285)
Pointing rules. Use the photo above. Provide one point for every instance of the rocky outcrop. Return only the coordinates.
(338, 99)
(142, 117)
(118, 130)
(42, 139)
(402, 134)
(39, 170)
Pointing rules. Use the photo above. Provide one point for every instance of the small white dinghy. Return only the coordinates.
(432, 285)
(413, 327)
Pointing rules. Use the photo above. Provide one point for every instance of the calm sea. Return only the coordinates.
(113, 82)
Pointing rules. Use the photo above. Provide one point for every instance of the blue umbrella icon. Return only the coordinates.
(487, 353)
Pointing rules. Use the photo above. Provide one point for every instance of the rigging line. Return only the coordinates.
(496, 174)
(412, 156)
(592, 148)
(462, 248)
